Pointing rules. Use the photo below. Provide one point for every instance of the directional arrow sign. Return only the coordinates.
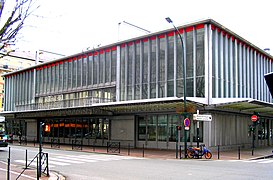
(199, 117)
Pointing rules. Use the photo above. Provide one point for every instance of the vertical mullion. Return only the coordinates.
(255, 86)
(157, 67)
(216, 57)
(166, 67)
(244, 72)
(222, 66)
(134, 71)
(236, 68)
(149, 69)
(126, 72)
(231, 77)
(118, 74)
(240, 71)
(175, 65)
(141, 68)
(248, 73)
(194, 61)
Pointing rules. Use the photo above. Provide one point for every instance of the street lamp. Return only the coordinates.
(184, 77)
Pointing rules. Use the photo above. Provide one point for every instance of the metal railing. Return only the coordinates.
(65, 103)
(77, 144)
(113, 147)
(44, 165)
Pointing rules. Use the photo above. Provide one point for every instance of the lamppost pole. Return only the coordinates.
(184, 77)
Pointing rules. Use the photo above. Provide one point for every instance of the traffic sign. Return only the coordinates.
(187, 123)
(254, 118)
(203, 117)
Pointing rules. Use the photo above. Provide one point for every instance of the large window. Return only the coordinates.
(152, 128)
(170, 66)
(137, 71)
(83, 128)
(101, 67)
(200, 64)
(146, 70)
(122, 73)
(162, 66)
(153, 68)
(130, 71)
(163, 128)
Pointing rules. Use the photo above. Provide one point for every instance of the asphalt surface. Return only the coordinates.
(31, 173)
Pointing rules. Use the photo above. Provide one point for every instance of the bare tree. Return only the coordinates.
(13, 14)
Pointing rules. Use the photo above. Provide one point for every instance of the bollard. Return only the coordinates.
(176, 150)
(8, 168)
(143, 151)
(239, 152)
(218, 151)
(26, 159)
(129, 149)
(38, 175)
(47, 169)
(180, 152)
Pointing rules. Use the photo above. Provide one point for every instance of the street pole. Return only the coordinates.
(198, 134)
(40, 149)
(185, 84)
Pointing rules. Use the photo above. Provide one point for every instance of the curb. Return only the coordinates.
(263, 157)
(55, 176)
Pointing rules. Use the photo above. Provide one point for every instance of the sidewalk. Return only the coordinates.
(243, 154)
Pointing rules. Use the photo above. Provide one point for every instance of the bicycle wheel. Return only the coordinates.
(208, 155)
(190, 154)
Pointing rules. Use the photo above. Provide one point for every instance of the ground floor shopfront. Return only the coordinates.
(152, 129)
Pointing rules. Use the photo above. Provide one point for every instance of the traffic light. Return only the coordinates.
(47, 128)
(178, 128)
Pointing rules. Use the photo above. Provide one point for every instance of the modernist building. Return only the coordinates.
(132, 91)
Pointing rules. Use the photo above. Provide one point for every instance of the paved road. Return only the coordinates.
(83, 165)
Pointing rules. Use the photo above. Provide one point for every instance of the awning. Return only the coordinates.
(245, 105)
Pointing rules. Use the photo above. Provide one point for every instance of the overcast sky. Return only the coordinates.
(69, 26)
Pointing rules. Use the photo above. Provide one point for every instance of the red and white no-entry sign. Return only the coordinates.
(254, 118)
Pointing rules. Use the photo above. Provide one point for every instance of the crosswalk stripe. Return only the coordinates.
(266, 161)
(111, 157)
(78, 159)
(261, 161)
(58, 163)
(34, 162)
(65, 160)
(72, 159)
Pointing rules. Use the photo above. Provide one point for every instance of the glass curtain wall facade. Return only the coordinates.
(149, 68)
(238, 69)
(78, 81)
(152, 67)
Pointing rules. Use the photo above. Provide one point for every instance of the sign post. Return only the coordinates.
(254, 119)
(200, 117)
(187, 127)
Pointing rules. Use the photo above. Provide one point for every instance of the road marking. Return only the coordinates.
(33, 163)
(65, 160)
(266, 161)
(261, 161)
(50, 162)
(23, 175)
(76, 159)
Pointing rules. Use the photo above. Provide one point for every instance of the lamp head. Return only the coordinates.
(169, 20)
